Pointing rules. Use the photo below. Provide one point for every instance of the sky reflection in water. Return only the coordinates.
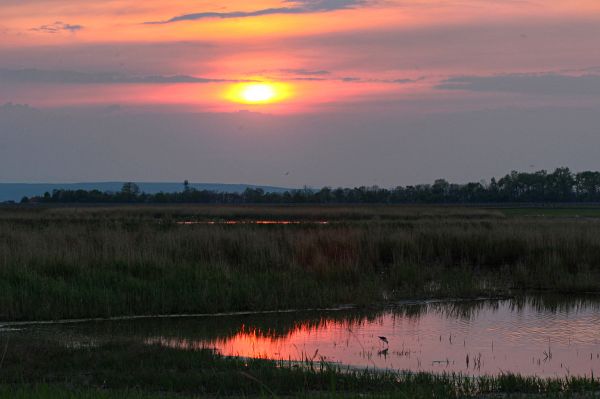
(541, 336)
(260, 222)
(490, 338)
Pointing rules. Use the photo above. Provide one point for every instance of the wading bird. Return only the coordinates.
(384, 340)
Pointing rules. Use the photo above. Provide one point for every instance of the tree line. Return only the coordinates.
(562, 185)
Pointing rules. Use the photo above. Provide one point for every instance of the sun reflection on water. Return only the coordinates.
(491, 340)
(259, 222)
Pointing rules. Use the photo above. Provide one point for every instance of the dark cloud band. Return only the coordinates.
(540, 84)
(73, 77)
(58, 27)
(298, 7)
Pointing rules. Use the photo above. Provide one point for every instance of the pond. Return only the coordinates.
(538, 336)
(252, 222)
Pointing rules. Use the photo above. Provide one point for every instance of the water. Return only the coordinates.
(536, 336)
(253, 222)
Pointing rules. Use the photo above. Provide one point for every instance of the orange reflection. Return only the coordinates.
(491, 340)
(266, 222)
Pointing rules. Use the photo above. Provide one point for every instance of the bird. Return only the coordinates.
(384, 340)
(383, 352)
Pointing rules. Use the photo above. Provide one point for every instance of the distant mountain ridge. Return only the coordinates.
(16, 191)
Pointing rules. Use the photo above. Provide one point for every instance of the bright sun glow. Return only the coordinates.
(258, 93)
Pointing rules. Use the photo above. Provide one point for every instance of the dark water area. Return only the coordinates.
(537, 336)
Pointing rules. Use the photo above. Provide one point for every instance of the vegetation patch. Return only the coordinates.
(70, 262)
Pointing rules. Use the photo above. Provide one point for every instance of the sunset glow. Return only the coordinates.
(258, 93)
(315, 84)
(314, 197)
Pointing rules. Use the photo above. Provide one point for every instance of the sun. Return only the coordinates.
(258, 93)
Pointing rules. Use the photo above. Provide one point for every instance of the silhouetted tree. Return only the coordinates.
(559, 186)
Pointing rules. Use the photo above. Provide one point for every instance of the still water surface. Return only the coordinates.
(531, 336)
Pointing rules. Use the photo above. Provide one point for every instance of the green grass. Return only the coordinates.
(96, 262)
(58, 392)
(61, 392)
(553, 212)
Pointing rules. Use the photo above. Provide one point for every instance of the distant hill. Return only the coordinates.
(16, 191)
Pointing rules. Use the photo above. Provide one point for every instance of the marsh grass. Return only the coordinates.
(66, 262)
(129, 369)
(54, 392)
(44, 391)
(242, 212)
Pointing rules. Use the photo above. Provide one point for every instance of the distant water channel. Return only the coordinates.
(541, 336)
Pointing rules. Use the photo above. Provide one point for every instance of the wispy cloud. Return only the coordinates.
(305, 72)
(401, 81)
(58, 27)
(295, 7)
(77, 77)
(541, 84)
(74, 77)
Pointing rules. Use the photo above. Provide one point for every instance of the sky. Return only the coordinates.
(294, 93)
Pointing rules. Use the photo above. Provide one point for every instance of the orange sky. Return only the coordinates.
(377, 92)
(122, 20)
(329, 51)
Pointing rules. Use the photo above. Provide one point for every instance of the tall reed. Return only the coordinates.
(84, 262)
